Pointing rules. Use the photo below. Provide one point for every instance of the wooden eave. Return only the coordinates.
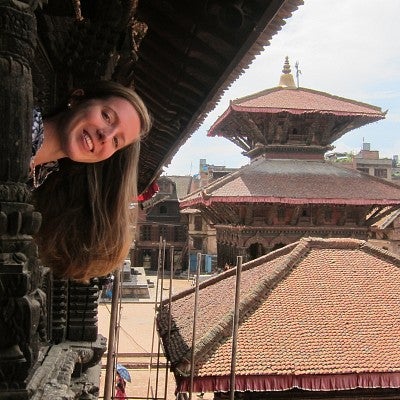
(190, 54)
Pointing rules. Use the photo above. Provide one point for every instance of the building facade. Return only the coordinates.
(160, 220)
(202, 234)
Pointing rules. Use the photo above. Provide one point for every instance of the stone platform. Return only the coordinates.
(135, 283)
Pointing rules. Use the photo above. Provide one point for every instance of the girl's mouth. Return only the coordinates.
(89, 142)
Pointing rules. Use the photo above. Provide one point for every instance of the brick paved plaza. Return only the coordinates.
(135, 344)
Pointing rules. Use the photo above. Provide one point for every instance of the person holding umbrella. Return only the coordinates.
(123, 376)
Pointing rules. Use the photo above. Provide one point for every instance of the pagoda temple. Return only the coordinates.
(288, 191)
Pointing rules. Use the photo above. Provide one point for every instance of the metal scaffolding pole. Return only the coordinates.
(171, 274)
(155, 310)
(235, 327)
(196, 299)
(161, 299)
(112, 334)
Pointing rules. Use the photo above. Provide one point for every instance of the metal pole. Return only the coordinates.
(170, 294)
(188, 277)
(171, 273)
(109, 378)
(235, 327)
(161, 299)
(196, 299)
(155, 310)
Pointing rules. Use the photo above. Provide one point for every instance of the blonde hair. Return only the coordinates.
(87, 222)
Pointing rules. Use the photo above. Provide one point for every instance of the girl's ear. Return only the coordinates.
(75, 97)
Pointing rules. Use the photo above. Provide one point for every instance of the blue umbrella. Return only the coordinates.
(123, 373)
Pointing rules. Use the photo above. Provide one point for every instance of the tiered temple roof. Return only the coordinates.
(296, 182)
(287, 120)
(286, 131)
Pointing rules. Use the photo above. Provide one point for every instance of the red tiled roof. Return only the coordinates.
(298, 101)
(296, 182)
(305, 100)
(318, 309)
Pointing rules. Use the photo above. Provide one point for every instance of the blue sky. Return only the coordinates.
(348, 48)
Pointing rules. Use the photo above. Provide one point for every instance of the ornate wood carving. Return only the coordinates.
(35, 360)
(22, 302)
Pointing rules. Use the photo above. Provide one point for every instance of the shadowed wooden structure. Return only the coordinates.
(179, 56)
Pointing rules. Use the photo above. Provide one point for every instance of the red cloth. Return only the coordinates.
(316, 382)
(120, 388)
(149, 192)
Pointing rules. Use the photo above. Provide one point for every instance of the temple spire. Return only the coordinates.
(287, 79)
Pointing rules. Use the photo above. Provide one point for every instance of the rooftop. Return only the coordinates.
(321, 311)
(296, 182)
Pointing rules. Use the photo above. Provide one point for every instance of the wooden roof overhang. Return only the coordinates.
(180, 56)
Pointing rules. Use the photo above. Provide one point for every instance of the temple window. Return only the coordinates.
(179, 234)
(380, 172)
(163, 232)
(197, 243)
(145, 232)
(198, 223)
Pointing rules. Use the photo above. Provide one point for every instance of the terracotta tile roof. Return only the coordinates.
(305, 100)
(296, 182)
(298, 101)
(316, 307)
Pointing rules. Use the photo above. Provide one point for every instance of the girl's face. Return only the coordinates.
(94, 130)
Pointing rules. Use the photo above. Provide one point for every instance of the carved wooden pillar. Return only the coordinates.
(22, 301)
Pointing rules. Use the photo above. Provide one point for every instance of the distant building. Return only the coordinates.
(209, 173)
(160, 219)
(202, 234)
(367, 161)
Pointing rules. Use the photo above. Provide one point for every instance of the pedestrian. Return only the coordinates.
(120, 387)
(84, 175)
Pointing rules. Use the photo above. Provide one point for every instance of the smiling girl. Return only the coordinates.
(84, 175)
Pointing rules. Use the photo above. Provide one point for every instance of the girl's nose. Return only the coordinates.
(105, 134)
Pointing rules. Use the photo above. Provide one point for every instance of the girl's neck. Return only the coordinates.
(51, 148)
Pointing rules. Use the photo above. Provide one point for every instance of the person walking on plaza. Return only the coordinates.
(123, 376)
(120, 387)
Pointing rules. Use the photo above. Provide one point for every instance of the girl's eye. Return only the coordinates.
(116, 142)
(106, 116)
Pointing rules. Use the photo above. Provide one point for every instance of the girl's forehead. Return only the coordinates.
(116, 101)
